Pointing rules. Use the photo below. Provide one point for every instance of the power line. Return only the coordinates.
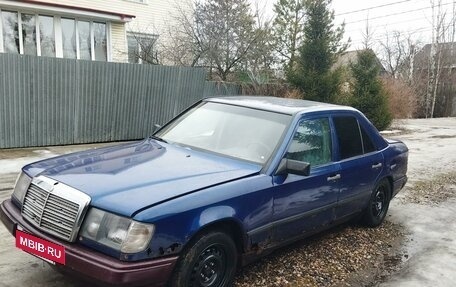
(399, 13)
(388, 24)
(373, 7)
(360, 41)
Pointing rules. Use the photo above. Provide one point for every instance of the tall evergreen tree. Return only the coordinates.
(288, 30)
(321, 45)
(368, 94)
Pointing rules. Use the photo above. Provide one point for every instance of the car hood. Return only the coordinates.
(127, 178)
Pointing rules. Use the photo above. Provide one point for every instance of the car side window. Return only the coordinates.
(367, 141)
(311, 142)
(349, 137)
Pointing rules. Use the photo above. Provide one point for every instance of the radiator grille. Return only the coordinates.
(53, 213)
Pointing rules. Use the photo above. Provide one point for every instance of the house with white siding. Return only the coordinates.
(97, 30)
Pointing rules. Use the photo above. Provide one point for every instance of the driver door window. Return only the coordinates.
(312, 142)
(303, 203)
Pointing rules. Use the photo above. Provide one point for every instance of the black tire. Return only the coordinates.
(378, 206)
(210, 261)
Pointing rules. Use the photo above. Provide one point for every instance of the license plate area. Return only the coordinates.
(48, 251)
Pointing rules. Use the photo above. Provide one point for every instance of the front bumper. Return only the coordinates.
(94, 266)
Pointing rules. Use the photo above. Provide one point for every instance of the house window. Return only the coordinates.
(142, 48)
(69, 38)
(80, 38)
(51, 36)
(100, 46)
(10, 27)
(84, 40)
(28, 24)
(47, 39)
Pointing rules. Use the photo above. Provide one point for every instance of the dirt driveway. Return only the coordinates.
(427, 208)
(422, 218)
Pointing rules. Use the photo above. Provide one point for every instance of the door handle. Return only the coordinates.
(377, 165)
(335, 177)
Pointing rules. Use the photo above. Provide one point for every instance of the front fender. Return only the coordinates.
(213, 214)
(173, 233)
(243, 204)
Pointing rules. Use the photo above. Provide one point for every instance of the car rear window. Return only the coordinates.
(349, 137)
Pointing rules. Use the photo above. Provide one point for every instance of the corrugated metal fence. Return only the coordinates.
(221, 88)
(49, 101)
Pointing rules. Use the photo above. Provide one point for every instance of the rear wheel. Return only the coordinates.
(378, 206)
(210, 262)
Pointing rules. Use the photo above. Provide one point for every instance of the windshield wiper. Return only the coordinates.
(157, 138)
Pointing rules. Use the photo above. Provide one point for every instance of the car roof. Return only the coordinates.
(279, 105)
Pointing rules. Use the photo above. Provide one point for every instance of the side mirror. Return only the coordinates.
(287, 166)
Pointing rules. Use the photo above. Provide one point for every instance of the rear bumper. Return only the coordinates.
(92, 265)
(399, 184)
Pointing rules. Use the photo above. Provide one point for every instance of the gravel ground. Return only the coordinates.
(349, 255)
(432, 192)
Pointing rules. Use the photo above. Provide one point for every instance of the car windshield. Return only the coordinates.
(230, 130)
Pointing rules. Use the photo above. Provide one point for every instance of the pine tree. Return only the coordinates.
(368, 94)
(320, 48)
(288, 30)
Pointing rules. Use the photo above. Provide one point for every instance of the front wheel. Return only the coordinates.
(210, 262)
(376, 211)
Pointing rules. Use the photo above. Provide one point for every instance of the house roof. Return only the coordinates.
(448, 51)
(62, 9)
(348, 57)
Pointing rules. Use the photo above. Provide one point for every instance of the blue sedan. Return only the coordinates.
(223, 183)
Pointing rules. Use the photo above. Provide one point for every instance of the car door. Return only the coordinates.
(360, 163)
(304, 203)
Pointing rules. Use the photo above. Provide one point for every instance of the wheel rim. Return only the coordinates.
(211, 267)
(379, 203)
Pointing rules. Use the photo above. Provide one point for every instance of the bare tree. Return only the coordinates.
(186, 43)
(453, 23)
(398, 51)
(259, 62)
(408, 68)
(393, 50)
(217, 34)
(439, 30)
(230, 25)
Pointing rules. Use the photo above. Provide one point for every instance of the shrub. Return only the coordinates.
(273, 90)
(402, 99)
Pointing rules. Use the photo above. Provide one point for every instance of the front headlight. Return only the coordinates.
(119, 233)
(20, 188)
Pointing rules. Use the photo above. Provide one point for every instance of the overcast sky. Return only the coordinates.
(411, 16)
